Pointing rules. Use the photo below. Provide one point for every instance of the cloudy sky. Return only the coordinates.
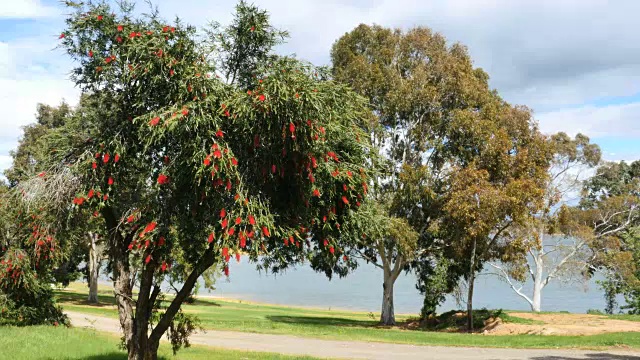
(576, 63)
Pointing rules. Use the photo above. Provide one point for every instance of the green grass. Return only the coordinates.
(344, 325)
(51, 343)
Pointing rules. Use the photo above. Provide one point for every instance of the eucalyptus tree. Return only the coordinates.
(434, 117)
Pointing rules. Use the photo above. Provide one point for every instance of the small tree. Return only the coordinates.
(609, 211)
(500, 189)
(182, 164)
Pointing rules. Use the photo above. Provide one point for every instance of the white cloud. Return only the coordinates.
(606, 121)
(25, 9)
(30, 73)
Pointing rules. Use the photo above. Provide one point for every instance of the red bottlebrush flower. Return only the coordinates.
(265, 231)
(225, 251)
(292, 128)
(335, 173)
(163, 268)
(90, 194)
(226, 271)
(163, 179)
(130, 246)
(314, 163)
(116, 158)
(344, 200)
(62, 36)
(344, 187)
(231, 231)
(108, 60)
(165, 29)
(297, 95)
(207, 161)
(324, 218)
(224, 223)
(94, 165)
(42, 174)
(120, 27)
(252, 220)
(357, 203)
(261, 97)
(237, 257)
(291, 239)
(349, 173)
(236, 197)
(226, 113)
(146, 243)
(316, 192)
(332, 250)
(312, 179)
(286, 241)
(219, 134)
(345, 258)
(166, 159)
(119, 39)
(154, 121)
(131, 218)
(253, 28)
(217, 154)
(326, 242)
(248, 92)
(146, 261)
(90, 53)
(210, 238)
(223, 213)
(238, 220)
(185, 112)
(150, 227)
(106, 158)
(132, 34)
(161, 241)
(100, 17)
(234, 161)
(273, 169)
(171, 72)
(228, 185)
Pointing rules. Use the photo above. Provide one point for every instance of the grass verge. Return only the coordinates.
(53, 343)
(344, 325)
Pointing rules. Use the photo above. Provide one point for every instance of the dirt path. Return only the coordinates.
(566, 324)
(292, 345)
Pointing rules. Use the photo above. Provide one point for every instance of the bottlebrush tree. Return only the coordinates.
(184, 163)
(31, 248)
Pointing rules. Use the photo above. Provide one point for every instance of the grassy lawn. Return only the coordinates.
(47, 342)
(344, 325)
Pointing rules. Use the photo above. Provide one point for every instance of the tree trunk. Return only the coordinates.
(538, 285)
(94, 268)
(387, 316)
(471, 280)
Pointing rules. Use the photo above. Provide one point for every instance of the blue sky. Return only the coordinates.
(575, 63)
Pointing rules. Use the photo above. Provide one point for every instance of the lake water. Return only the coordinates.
(362, 291)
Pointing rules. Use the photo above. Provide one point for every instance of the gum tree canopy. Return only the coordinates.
(185, 165)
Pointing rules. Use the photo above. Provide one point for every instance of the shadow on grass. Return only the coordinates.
(328, 321)
(110, 356)
(598, 356)
(81, 299)
(198, 302)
